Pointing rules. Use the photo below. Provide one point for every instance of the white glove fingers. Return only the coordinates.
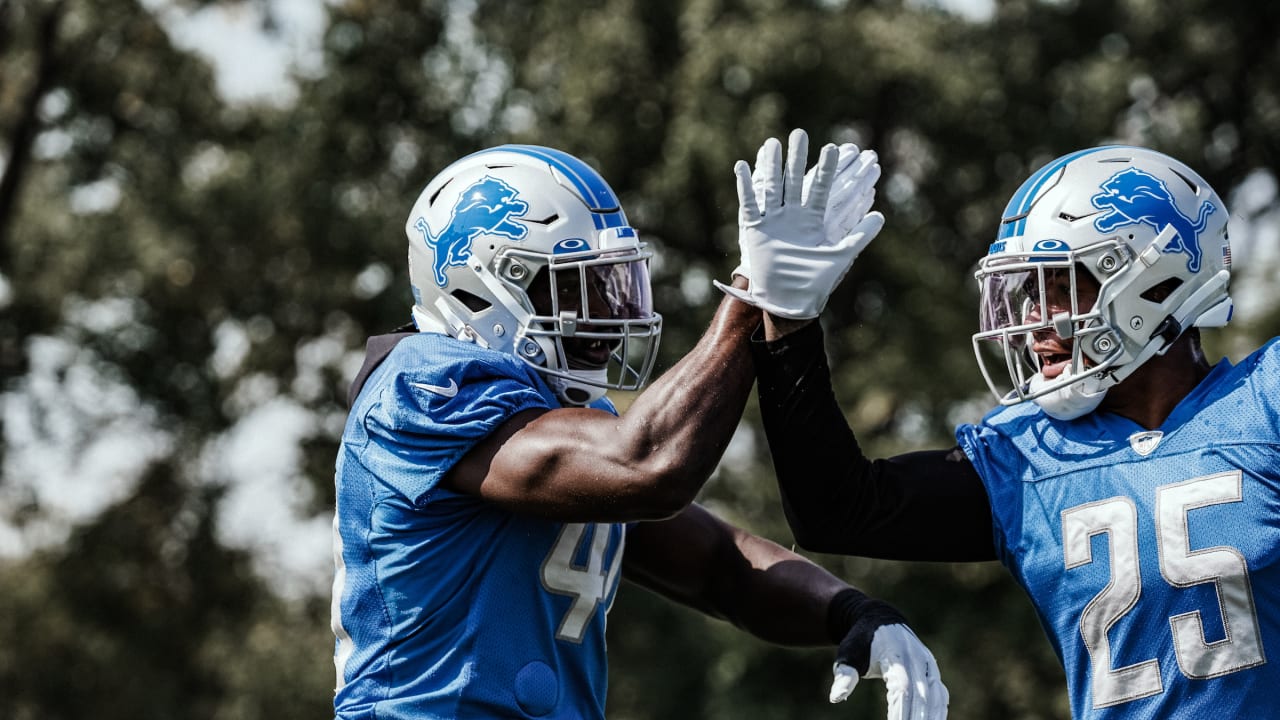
(786, 238)
(932, 697)
(941, 698)
(797, 157)
(852, 193)
(862, 234)
(757, 184)
(929, 697)
(845, 210)
(897, 687)
(910, 673)
(826, 170)
(844, 175)
(848, 156)
(848, 167)
(748, 202)
(846, 678)
(864, 174)
(769, 166)
(864, 161)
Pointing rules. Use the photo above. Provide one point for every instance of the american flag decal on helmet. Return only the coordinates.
(1226, 256)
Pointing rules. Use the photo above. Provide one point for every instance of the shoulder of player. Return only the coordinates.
(1014, 417)
(1260, 369)
(1268, 355)
(438, 368)
(430, 354)
(432, 366)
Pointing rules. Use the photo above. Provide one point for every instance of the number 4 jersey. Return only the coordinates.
(446, 606)
(1150, 556)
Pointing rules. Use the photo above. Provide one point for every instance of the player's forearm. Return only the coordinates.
(815, 454)
(677, 430)
(778, 595)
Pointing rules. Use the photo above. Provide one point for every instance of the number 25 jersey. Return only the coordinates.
(1152, 557)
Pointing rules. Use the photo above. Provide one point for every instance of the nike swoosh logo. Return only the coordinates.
(449, 391)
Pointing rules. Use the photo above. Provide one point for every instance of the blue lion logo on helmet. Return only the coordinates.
(1133, 196)
(487, 207)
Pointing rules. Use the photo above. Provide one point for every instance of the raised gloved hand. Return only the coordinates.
(878, 644)
(799, 233)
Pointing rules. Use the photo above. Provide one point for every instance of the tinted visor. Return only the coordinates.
(602, 292)
(1007, 298)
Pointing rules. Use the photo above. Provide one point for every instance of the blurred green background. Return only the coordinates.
(188, 271)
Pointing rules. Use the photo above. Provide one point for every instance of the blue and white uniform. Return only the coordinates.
(446, 606)
(1152, 558)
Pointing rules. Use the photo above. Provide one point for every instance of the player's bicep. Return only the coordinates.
(920, 497)
(566, 464)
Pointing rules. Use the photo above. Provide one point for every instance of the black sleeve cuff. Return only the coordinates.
(807, 339)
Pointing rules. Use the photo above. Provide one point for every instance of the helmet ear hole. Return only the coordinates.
(474, 302)
(1160, 292)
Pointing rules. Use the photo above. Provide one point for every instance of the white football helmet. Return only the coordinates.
(525, 250)
(1141, 229)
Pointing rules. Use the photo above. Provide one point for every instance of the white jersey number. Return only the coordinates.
(1181, 567)
(589, 585)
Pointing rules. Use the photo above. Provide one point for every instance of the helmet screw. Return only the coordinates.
(499, 331)
(1107, 263)
(1103, 344)
(517, 271)
(529, 348)
(1136, 322)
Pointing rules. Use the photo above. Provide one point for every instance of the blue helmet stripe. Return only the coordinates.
(1020, 203)
(607, 211)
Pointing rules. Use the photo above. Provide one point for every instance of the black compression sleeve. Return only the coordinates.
(918, 506)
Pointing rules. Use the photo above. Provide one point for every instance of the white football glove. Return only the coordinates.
(852, 193)
(800, 265)
(911, 678)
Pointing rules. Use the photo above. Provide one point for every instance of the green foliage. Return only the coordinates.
(281, 226)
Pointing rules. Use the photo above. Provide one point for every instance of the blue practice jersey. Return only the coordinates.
(446, 606)
(1151, 557)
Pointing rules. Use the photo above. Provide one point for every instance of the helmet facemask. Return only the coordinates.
(1059, 352)
(591, 325)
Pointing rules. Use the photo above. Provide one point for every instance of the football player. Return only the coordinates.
(486, 487)
(1131, 486)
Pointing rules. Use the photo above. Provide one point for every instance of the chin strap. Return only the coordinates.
(579, 393)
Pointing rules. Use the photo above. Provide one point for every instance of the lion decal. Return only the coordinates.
(485, 208)
(1132, 196)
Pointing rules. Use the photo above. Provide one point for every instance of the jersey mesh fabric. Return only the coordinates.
(442, 607)
(1158, 585)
